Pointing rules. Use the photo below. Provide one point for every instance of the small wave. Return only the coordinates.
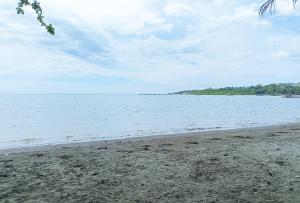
(202, 129)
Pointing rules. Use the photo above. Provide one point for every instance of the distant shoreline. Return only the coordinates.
(282, 89)
(190, 94)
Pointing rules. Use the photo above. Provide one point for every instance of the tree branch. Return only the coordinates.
(35, 5)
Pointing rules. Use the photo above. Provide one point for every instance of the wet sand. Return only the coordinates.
(245, 165)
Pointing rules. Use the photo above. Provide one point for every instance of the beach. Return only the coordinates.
(260, 164)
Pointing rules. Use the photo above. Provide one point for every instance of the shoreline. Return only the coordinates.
(260, 164)
(141, 138)
(203, 134)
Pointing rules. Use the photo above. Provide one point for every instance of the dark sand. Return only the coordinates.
(247, 165)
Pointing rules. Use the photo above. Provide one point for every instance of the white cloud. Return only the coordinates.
(148, 22)
(177, 9)
(246, 14)
(160, 43)
(281, 54)
(285, 7)
(241, 13)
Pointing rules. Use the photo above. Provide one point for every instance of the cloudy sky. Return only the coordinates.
(147, 46)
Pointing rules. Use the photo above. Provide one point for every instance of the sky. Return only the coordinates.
(147, 46)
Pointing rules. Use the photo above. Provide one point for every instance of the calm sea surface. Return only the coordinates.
(30, 120)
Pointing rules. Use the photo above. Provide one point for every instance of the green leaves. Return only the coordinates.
(50, 29)
(35, 5)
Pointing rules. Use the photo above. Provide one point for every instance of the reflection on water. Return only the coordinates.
(27, 120)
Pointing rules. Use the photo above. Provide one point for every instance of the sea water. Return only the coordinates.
(31, 120)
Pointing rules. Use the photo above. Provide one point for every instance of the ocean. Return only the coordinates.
(41, 119)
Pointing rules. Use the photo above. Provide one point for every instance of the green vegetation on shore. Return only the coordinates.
(272, 89)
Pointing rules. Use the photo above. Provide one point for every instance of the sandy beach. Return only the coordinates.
(245, 165)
